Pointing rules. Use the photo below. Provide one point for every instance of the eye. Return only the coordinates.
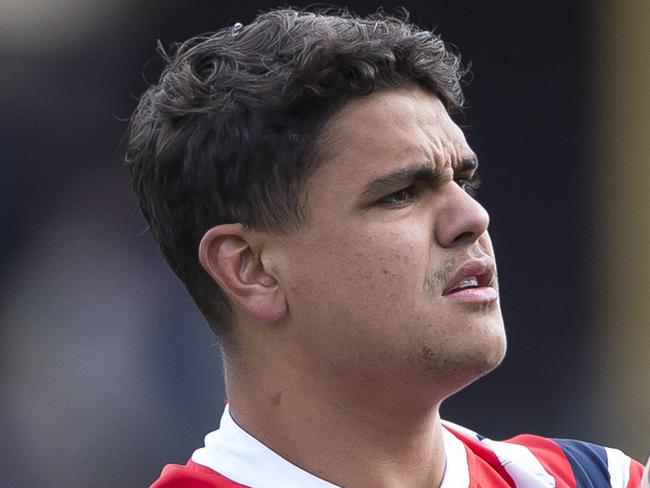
(469, 183)
(400, 198)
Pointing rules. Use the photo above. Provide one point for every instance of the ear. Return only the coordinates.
(227, 255)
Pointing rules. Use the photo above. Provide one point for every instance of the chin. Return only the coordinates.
(490, 351)
(490, 359)
(488, 347)
(461, 366)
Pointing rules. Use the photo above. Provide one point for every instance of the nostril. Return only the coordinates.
(466, 236)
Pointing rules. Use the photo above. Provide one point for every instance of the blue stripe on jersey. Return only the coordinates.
(588, 462)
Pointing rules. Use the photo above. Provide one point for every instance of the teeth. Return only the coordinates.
(467, 282)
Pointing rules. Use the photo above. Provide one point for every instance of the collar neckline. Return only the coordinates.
(237, 455)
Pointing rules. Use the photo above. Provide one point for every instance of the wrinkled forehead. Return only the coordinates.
(392, 127)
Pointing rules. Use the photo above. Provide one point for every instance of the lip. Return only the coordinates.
(484, 270)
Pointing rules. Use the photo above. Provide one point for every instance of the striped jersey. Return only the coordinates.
(232, 458)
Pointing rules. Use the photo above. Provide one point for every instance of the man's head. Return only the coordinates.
(232, 130)
(312, 160)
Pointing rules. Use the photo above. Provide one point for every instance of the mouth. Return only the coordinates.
(473, 282)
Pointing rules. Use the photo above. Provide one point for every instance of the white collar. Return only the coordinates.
(237, 455)
(456, 468)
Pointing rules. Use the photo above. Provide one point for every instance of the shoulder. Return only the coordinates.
(584, 463)
(192, 475)
(554, 462)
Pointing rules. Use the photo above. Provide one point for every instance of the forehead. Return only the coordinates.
(388, 129)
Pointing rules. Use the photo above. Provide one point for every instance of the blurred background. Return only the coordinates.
(107, 370)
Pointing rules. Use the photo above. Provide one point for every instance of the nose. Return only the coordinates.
(461, 220)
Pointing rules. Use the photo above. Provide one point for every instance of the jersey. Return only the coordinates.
(232, 458)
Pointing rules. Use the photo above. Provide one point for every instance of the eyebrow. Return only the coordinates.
(418, 173)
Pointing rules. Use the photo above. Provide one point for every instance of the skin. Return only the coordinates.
(346, 344)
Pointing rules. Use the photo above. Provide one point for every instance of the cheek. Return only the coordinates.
(374, 273)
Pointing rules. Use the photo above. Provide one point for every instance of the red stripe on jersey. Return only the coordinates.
(551, 456)
(636, 473)
(192, 475)
(484, 466)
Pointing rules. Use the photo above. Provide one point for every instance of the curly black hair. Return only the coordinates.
(234, 127)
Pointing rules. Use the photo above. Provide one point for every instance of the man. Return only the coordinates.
(303, 178)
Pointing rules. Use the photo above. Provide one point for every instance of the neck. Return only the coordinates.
(347, 435)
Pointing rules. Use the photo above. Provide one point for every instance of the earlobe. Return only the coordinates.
(227, 255)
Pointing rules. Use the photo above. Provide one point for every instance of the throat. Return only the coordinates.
(348, 447)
